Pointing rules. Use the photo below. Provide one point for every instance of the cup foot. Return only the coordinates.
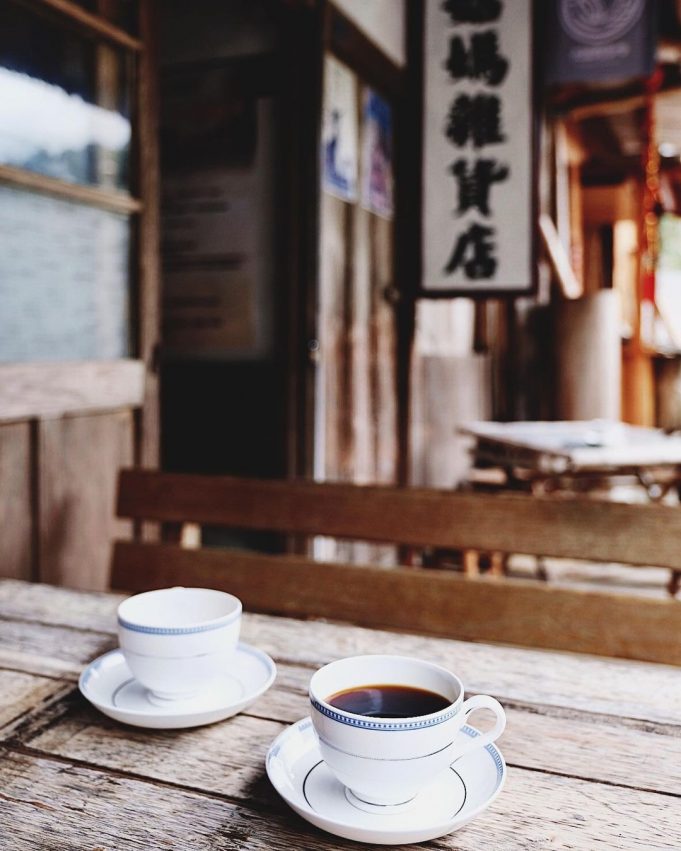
(164, 700)
(378, 809)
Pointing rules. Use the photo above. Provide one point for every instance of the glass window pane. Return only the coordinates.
(63, 279)
(64, 102)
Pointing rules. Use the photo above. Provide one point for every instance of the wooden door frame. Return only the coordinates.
(147, 321)
(336, 34)
(302, 62)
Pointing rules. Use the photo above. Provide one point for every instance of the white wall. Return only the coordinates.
(383, 21)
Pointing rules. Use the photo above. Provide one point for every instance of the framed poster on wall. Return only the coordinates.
(219, 144)
(478, 192)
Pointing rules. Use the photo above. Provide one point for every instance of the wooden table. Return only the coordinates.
(593, 746)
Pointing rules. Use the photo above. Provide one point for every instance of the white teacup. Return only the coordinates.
(388, 761)
(177, 640)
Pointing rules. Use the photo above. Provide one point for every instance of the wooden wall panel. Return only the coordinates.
(16, 532)
(149, 283)
(588, 350)
(447, 392)
(37, 390)
(332, 434)
(384, 351)
(79, 462)
(363, 422)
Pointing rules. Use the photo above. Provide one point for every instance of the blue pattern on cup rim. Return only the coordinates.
(367, 724)
(179, 630)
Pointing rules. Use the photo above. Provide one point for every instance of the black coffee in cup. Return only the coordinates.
(388, 701)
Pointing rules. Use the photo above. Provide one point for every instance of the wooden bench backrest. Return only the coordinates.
(437, 602)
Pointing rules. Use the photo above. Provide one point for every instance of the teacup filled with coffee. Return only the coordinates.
(388, 725)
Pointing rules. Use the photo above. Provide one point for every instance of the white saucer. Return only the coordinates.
(109, 685)
(298, 773)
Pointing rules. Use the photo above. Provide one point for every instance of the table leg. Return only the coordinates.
(542, 573)
(471, 563)
(497, 564)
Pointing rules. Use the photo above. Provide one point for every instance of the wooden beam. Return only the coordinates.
(565, 528)
(149, 270)
(107, 199)
(417, 600)
(16, 509)
(92, 24)
(570, 286)
(607, 107)
(78, 458)
(40, 390)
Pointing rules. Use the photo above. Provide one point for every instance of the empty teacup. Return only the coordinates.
(177, 640)
(388, 725)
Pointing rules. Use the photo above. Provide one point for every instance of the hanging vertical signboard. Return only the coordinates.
(478, 175)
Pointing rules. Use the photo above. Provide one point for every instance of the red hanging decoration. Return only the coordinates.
(651, 194)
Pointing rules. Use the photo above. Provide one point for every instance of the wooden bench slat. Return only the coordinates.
(565, 528)
(435, 602)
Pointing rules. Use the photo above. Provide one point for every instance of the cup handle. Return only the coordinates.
(483, 701)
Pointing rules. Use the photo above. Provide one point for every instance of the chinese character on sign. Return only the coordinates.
(475, 119)
(472, 11)
(474, 253)
(481, 61)
(474, 184)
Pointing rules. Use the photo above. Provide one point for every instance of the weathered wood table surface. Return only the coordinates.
(593, 746)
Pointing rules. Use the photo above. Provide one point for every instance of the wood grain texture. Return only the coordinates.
(383, 337)
(570, 528)
(578, 744)
(593, 745)
(39, 390)
(47, 650)
(79, 460)
(66, 806)
(16, 514)
(439, 603)
(519, 675)
(23, 693)
(56, 805)
(638, 755)
(333, 359)
(50, 605)
(149, 272)
(224, 759)
(580, 682)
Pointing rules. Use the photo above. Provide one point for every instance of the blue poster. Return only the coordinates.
(340, 131)
(377, 155)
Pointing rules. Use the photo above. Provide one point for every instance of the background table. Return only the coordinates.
(593, 746)
(545, 456)
(598, 458)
